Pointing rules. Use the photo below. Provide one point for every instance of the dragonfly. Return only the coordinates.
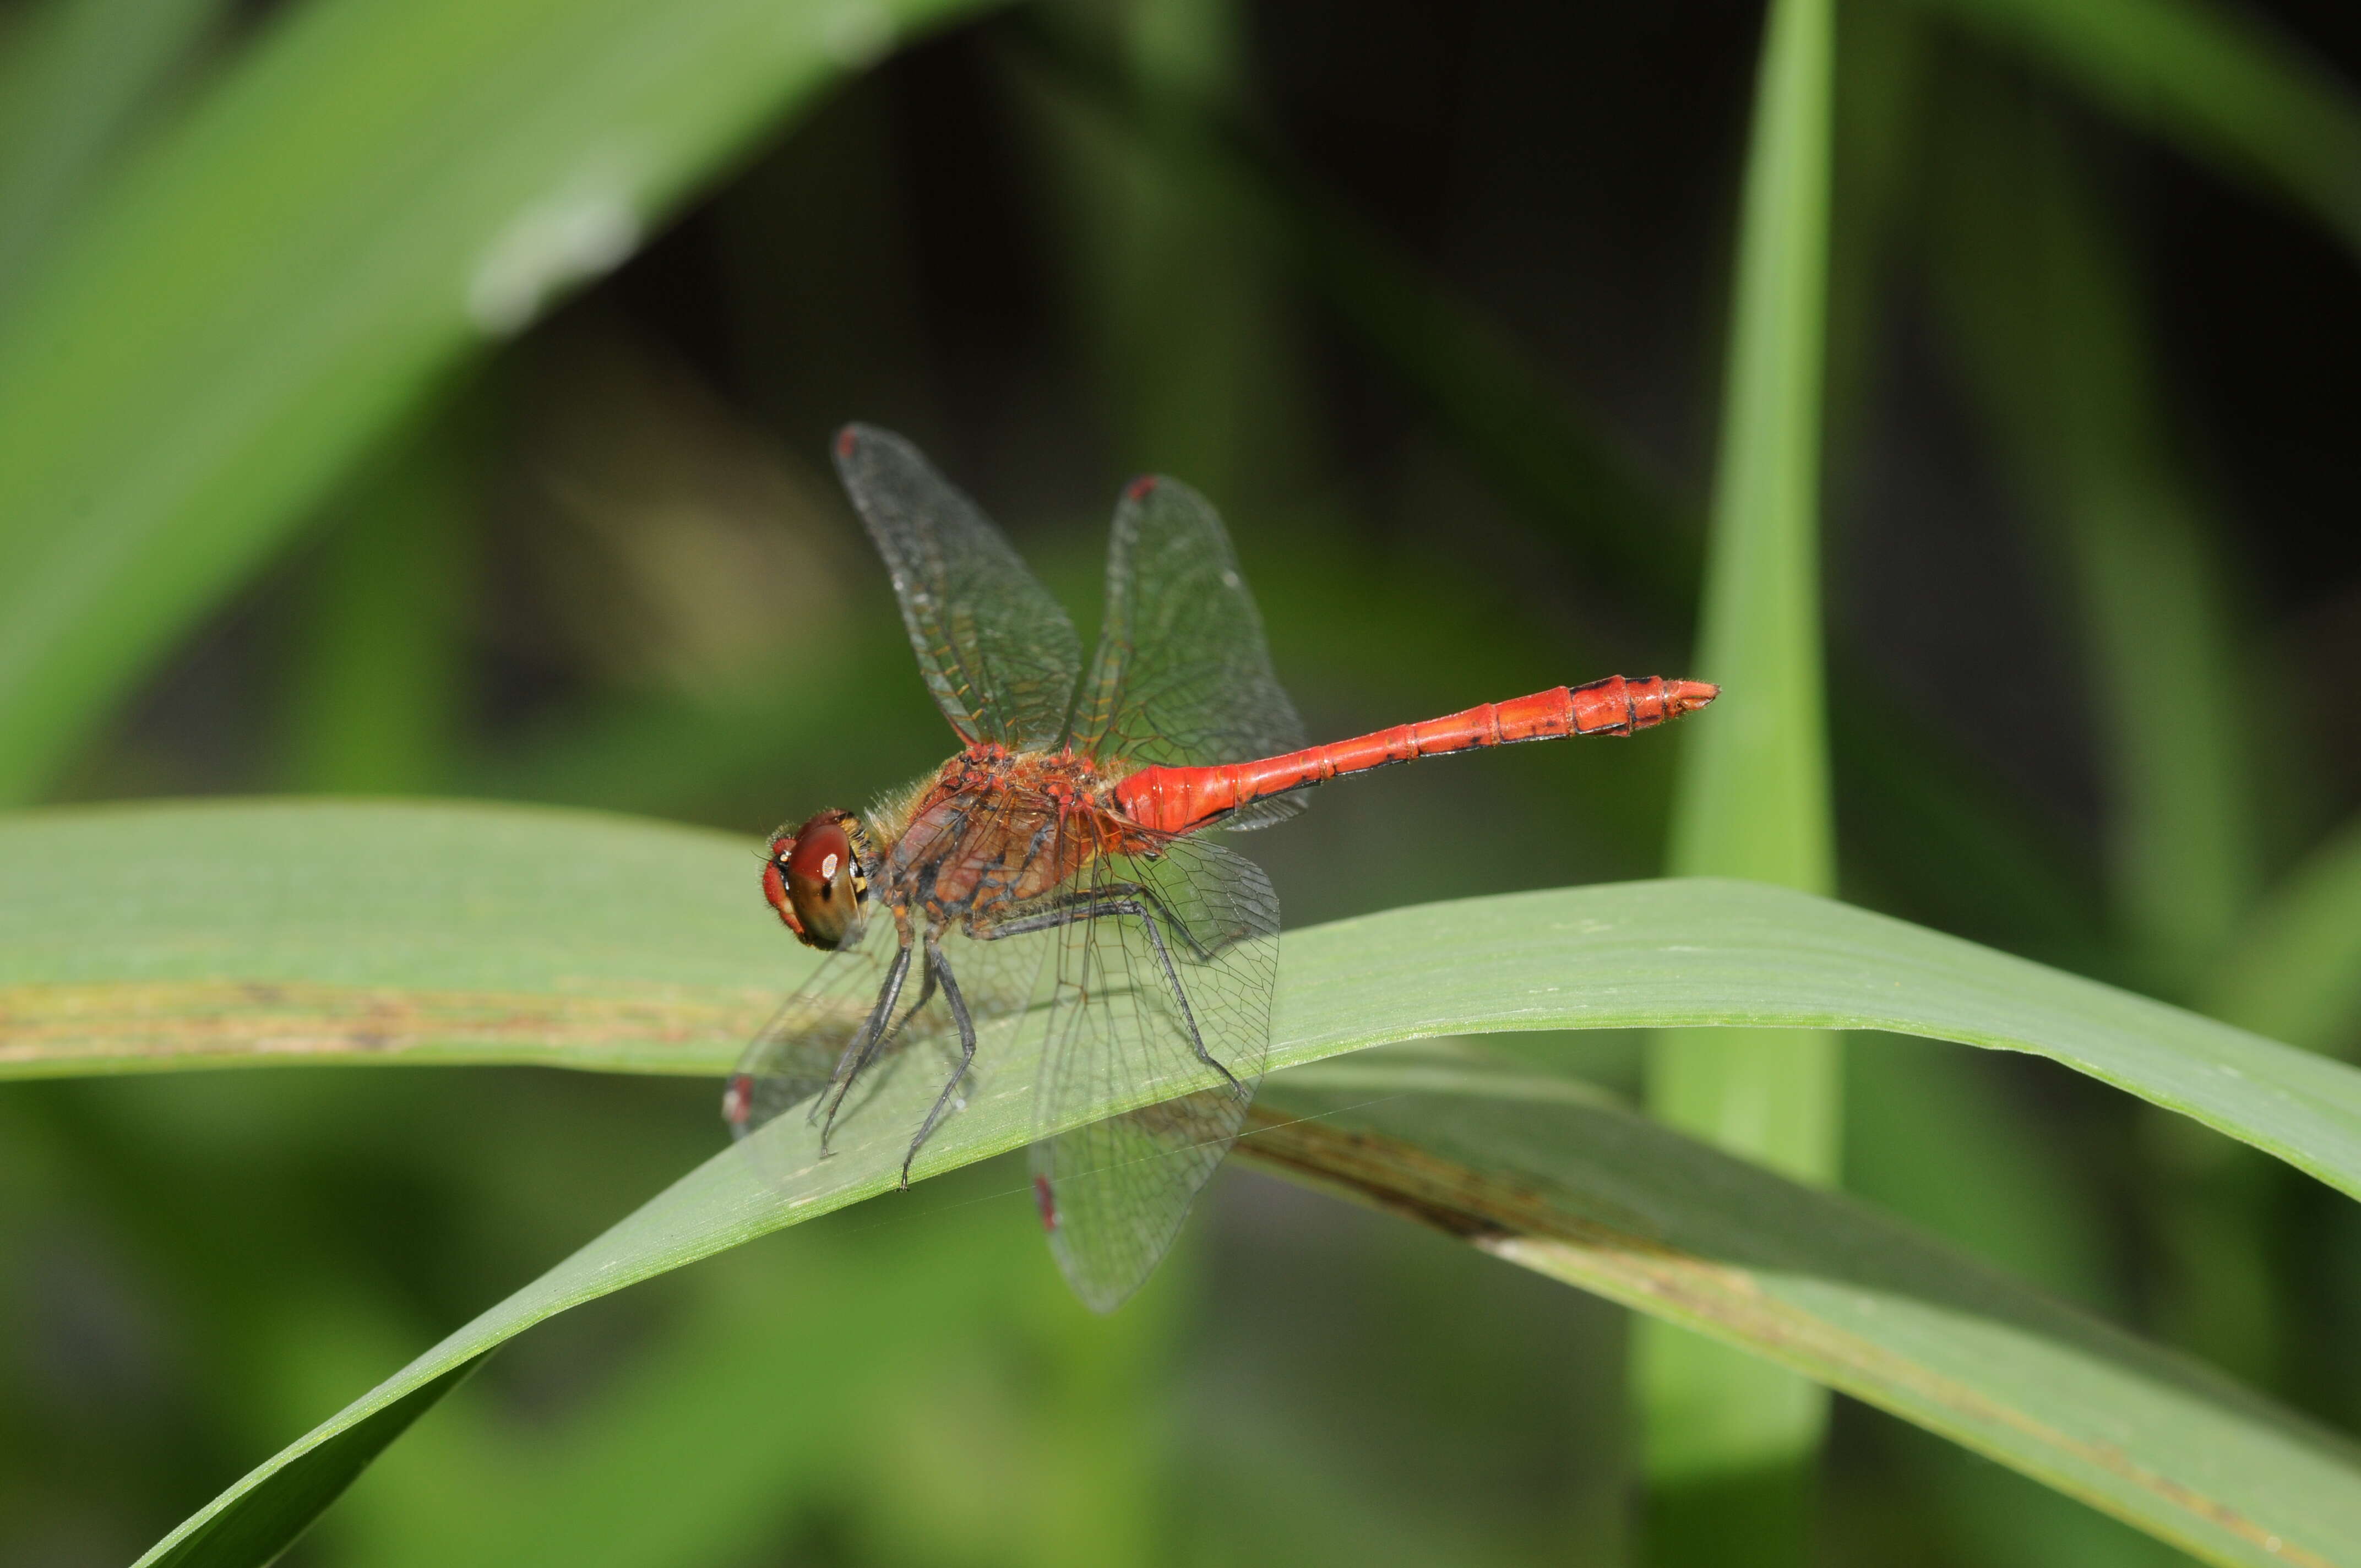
(1057, 885)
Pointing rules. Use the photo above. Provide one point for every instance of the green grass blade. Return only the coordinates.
(151, 938)
(1753, 798)
(1727, 1437)
(2218, 79)
(1600, 1199)
(1538, 1172)
(167, 937)
(268, 1519)
(377, 188)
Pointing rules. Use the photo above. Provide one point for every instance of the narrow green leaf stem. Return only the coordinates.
(1726, 1438)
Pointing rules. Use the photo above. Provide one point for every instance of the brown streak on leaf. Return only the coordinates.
(65, 1026)
(1518, 1222)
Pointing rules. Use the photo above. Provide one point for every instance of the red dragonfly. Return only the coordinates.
(1053, 882)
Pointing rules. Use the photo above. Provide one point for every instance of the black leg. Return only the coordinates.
(1127, 898)
(926, 991)
(1115, 898)
(1172, 978)
(863, 1048)
(938, 967)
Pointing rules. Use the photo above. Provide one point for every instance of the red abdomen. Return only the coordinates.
(1174, 800)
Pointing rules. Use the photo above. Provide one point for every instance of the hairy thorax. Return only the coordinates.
(994, 830)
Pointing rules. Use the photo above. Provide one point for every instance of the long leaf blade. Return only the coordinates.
(650, 936)
(1538, 1172)
(141, 938)
(1591, 1195)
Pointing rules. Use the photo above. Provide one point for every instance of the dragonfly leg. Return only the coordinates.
(1172, 978)
(856, 1054)
(938, 967)
(1128, 898)
(863, 1046)
(950, 1051)
(926, 991)
(851, 1053)
(1114, 898)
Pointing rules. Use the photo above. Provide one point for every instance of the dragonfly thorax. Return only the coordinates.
(817, 879)
(994, 829)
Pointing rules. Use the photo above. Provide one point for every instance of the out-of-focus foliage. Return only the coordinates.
(249, 297)
(1431, 300)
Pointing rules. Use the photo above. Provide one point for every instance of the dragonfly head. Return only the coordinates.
(817, 879)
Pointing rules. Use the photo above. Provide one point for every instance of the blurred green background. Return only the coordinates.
(1430, 299)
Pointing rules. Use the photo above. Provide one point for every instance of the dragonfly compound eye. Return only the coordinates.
(774, 881)
(818, 879)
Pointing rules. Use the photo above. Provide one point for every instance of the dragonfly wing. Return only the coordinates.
(1182, 676)
(824, 1028)
(795, 1055)
(1123, 1021)
(999, 655)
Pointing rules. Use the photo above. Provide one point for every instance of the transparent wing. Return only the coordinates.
(999, 655)
(1179, 959)
(796, 1055)
(1182, 676)
(825, 1028)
